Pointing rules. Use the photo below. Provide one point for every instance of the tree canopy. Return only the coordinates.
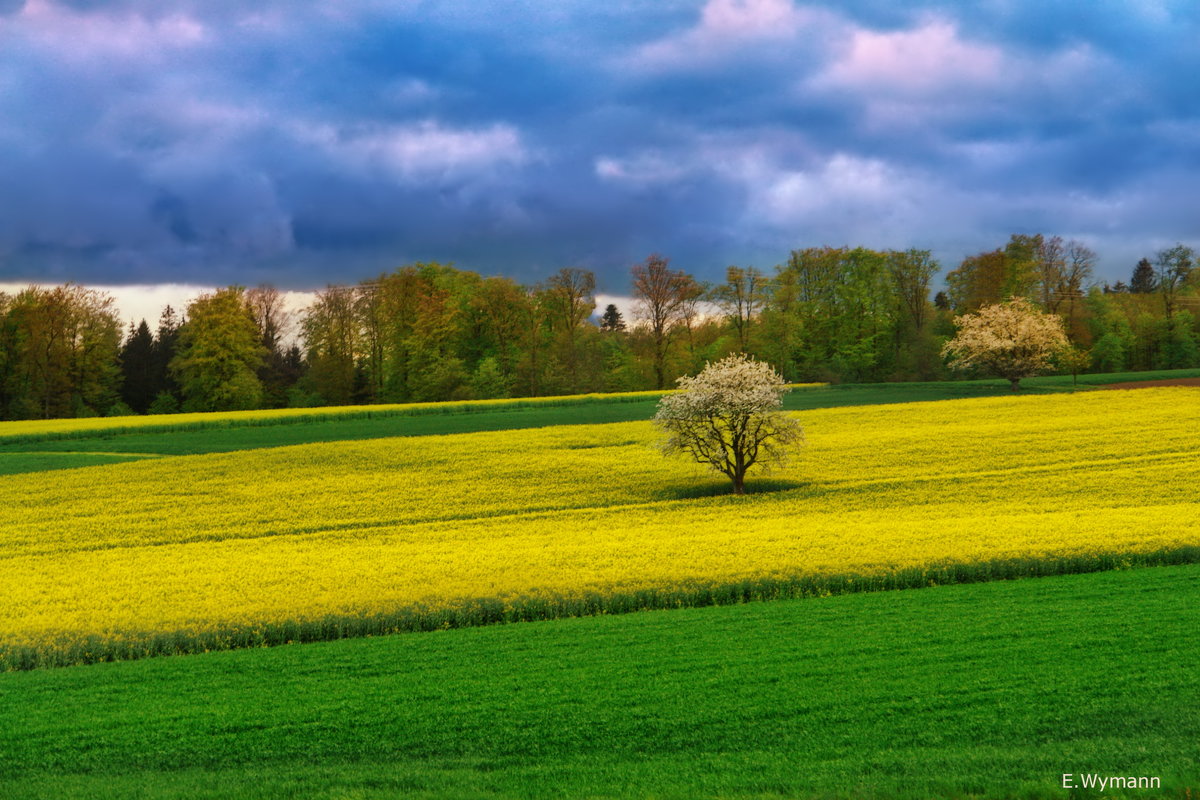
(728, 417)
(1013, 340)
(219, 354)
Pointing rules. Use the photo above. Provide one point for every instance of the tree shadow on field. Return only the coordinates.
(714, 488)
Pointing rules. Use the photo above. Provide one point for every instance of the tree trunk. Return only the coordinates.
(739, 484)
(1016, 384)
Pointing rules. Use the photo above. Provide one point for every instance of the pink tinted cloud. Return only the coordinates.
(920, 61)
(74, 36)
(727, 27)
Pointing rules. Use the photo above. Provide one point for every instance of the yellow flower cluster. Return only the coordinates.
(313, 541)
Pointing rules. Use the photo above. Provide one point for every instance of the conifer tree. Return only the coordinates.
(1143, 280)
(137, 368)
(611, 320)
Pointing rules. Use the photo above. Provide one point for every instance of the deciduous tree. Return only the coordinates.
(1012, 340)
(1174, 267)
(333, 341)
(273, 319)
(661, 293)
(219, 354)
(570, 297)
(741, 298)
(728, 417)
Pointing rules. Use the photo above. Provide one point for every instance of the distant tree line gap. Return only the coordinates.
(430, 332)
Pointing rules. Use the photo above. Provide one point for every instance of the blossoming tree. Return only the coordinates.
(729, 418)
(1013, 340)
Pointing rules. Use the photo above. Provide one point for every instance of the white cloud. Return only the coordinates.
(426, 151)
(642, 169)
(137, 302)
(845, 199)
(844, 180)
(728, 27)
(928, 74)
(77, 36)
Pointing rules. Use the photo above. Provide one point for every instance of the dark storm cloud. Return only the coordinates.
(227, 141)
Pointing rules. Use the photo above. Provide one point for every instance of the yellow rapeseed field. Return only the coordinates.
(186, 553)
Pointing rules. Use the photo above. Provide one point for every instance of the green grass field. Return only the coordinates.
(987, 690)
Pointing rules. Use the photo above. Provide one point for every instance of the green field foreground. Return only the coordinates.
(986, 690)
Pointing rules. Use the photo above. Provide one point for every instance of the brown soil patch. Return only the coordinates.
(1153, 384)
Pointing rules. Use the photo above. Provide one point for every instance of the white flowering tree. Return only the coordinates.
(729, 418)
(1013, 340)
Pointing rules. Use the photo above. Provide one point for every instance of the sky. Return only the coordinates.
(196, 143)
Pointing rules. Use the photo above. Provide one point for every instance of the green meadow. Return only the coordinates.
(982, 690)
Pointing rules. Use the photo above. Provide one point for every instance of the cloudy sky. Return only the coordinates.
(211, 142)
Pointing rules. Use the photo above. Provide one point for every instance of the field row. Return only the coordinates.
(15, 435)
(54, 429)
(331, 540)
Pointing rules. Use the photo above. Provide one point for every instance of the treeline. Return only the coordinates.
(428, 331)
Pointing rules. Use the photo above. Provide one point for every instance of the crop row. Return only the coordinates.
(338, 539)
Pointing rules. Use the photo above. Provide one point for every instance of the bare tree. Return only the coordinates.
(694, 293)
(270, 315)
(911, 272)
(661, 294)
(1051, 271)
(571, 292)
(1081, 260)
(333, 339)
(1174, 267)
(741, 297)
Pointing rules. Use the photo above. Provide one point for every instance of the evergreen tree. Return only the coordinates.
(1143, 280)
(137, 368)
(611, 320)
(166, 342)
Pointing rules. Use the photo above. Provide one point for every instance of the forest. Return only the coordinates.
(430, 332)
